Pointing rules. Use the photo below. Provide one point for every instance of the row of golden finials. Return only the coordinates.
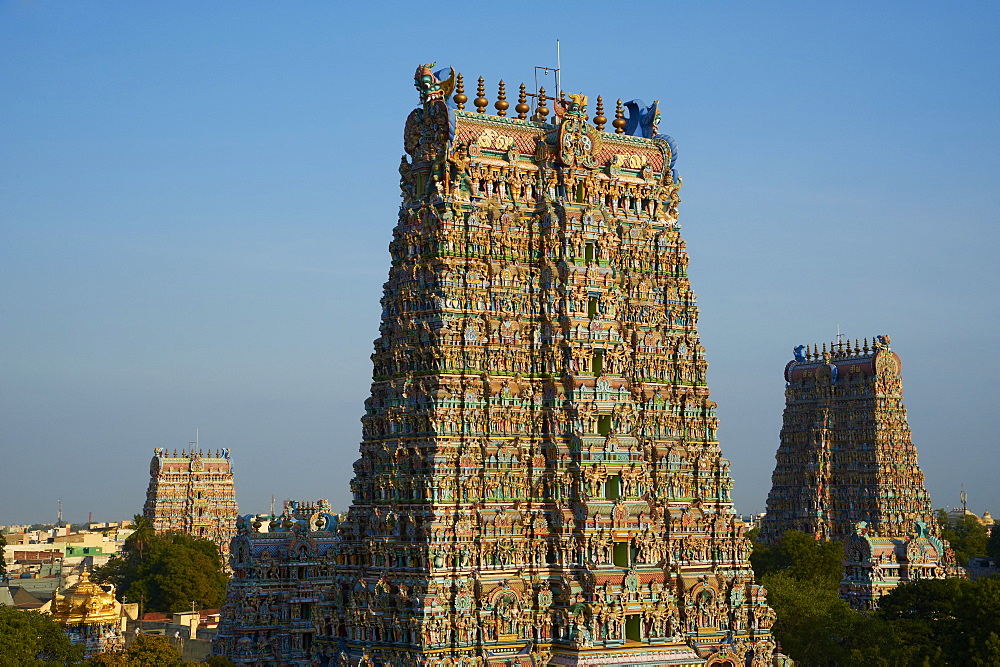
(541, 111)
(839, 349)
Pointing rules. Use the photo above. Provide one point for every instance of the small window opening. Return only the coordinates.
(597, 363)
(612, 489)
(620, 554)
(604, 425)
(633, 627)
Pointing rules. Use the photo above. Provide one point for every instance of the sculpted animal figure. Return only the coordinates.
(431, 85)
(644, 121)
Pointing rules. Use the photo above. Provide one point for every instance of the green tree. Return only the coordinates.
(3, 563)
(145, 651)
(946, 622)
(968, 538)
(803, 557)
(993, 544)
(168, 572)
(929, 622)
(31, 638)
(142, 534)
(153, 650)
(814, 625)
(811, 620)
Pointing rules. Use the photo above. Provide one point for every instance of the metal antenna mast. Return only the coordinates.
(555, 71)
(558, 70)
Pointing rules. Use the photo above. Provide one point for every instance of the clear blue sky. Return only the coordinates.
(196, 201)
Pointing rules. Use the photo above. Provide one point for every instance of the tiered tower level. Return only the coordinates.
(193, 493)
(847, 469)
(539, 480)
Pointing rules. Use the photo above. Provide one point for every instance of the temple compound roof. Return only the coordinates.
(540, 479)
(846, 468)
(874, 565)
(90, 615)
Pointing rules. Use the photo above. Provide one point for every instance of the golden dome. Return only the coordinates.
(85, 603)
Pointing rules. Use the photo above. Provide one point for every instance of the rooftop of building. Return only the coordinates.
(16, 596)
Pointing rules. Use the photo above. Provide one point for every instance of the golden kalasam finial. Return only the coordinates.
(502, 104)
(599, 119)
(460, 97)
(522, 107)
(619, 122)
(541, 111)
(481, 100)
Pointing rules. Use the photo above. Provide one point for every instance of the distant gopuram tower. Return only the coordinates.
(540, 479)
(193, 493)
(847, 469)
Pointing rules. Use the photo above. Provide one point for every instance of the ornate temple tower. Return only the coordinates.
(539, 476)
(847, 469)
(540, 480)
(193, 493)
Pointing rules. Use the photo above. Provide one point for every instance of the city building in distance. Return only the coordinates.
(540, 480)
(847, 469)
(193, 493)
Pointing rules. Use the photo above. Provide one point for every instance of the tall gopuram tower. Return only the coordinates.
(192, 493)
(540, 479)
(847, 469)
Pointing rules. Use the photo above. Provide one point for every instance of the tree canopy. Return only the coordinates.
(928, 622)
(967, 536)
(166, 572)
(3, 563)
(947, 622)
(802, 557)
(31, 638)
(993, 544)
(144, 650)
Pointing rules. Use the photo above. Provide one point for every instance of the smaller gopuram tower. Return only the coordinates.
(193, 493)
(847, 469)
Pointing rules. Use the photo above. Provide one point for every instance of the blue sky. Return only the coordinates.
(196, 201)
